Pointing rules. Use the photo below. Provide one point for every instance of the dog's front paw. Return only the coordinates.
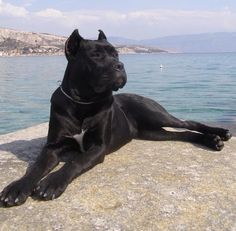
(15, 194)
(49, 188)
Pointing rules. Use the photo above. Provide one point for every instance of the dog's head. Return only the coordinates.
(93, 64)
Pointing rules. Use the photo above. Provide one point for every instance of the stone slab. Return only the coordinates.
(143, 186)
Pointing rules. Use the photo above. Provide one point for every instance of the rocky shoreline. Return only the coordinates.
(54, 51)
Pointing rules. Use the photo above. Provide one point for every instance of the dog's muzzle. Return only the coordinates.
(120, 76)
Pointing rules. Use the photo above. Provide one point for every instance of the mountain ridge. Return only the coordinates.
(204, 42)
(14, 43)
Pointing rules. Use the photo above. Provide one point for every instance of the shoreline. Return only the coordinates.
(123, 53)
(62, 54)
(30, 55)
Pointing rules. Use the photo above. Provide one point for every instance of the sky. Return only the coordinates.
(132, 19)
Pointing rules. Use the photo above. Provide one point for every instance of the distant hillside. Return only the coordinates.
(14, 42)
(209, 42)
(19, 43)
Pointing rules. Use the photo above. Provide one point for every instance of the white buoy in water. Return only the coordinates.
(161, 66)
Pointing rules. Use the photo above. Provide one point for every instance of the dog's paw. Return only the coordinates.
(49, 188)
(225, 134)
(14, 194)
(214, 142)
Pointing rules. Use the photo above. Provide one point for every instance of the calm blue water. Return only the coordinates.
(191, 86)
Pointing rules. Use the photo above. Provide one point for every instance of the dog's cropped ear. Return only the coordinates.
(101, 35)
(72, 44)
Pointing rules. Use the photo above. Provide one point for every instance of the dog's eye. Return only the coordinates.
(115, 54)
(96, 55)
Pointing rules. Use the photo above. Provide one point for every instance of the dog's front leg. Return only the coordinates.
(18, 191)
(56, 183)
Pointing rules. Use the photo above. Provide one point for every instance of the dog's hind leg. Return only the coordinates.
(211, 137)
(173, 122)
(211, 141)
(149, 115)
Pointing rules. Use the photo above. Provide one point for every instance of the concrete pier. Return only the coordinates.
(143, 186)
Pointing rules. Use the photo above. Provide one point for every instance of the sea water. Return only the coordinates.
(198, 87)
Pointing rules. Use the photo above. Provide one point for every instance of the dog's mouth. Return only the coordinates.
(119, 85)
(119, 82)
(115, 88)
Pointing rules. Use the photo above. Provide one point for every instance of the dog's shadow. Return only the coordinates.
(25, 150)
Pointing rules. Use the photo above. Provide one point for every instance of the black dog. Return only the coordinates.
(87, 122)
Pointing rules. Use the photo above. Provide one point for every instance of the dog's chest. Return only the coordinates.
(80, 139)
(86, 127)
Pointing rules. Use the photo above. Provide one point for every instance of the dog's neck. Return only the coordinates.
(77, 100)
(107, 96)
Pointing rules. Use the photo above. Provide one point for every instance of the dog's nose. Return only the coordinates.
(118, 66)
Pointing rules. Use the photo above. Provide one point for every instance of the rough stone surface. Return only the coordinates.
(143, 186)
